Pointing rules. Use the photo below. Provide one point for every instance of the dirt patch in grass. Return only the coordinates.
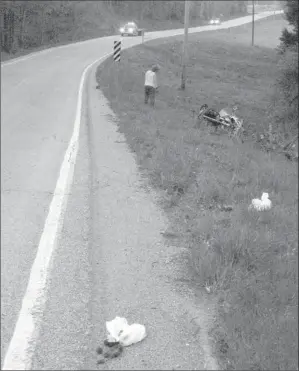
(248, 260)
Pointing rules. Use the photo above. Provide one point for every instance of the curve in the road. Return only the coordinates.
(19, 353)
(71, 59)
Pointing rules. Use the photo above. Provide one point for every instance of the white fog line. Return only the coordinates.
(47, 50)
(22, 344)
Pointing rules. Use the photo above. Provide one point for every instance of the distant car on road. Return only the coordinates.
(130, 29)
(215, 21)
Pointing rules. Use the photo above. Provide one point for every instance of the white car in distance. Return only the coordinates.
(215, 21)
(130, 29)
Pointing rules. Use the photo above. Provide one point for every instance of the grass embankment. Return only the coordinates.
(249, 259)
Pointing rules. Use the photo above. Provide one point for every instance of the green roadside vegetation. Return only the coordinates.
(248, 259)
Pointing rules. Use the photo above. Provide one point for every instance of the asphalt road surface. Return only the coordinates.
(109, 258)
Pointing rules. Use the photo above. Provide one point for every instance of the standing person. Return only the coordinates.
(150, 85)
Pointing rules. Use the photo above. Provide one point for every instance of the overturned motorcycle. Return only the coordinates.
(225, 119)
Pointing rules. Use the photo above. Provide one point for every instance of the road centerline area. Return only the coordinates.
(21, 347)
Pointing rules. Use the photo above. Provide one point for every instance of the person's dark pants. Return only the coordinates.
(149, 94)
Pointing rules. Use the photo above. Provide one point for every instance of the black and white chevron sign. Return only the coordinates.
(117, 49)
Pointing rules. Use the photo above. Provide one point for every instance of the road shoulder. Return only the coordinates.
(135, 273)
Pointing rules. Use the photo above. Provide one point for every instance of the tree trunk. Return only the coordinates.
(201, 8)
(42, 33)
(23, 25)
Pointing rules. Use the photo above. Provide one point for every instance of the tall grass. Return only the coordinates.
(285, 96)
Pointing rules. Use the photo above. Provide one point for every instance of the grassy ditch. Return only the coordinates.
(248, 259)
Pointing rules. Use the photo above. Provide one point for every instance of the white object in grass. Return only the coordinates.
(208, 289)
(261, 204)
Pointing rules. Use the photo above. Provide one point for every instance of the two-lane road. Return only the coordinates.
(38, 109)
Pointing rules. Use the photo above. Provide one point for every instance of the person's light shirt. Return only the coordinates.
(151, 79)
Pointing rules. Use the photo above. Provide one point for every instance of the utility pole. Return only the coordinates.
(252, 39)
(185, 52)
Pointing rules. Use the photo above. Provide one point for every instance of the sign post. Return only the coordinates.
(185, 45)
(252, 36)
(117, 51)
(116, 57)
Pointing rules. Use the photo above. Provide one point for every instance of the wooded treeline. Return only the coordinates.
(31, 24)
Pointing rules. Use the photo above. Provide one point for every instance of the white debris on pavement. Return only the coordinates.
(115, 327)
(261, 204)
(132, 334)
(120, 331)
